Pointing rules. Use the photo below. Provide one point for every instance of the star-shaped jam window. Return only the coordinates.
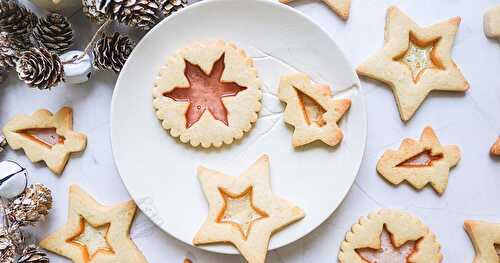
(240, 211)
(388, 252)
(91, 240)
(205, 92)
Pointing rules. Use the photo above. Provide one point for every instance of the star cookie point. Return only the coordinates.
(485, 238)
(420, 162)
(95, 233)
(243, 210)
(415, 61)
(492, 22)
(495, 148)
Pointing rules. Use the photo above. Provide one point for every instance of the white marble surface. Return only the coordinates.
(469, 120)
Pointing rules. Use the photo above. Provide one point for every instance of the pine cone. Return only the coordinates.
(31, 206)
(111, 52)
(16, 19)
(33, 254)
(7, 247)
(3, 142)
(54, 33)
(134, 13)
(167, 7)
(10, 48)
(94, 12)
(39, 68)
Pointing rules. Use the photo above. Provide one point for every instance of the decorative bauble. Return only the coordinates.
(66, 6)
(111, 52)
(16, 20)
(77, 71)
(33, 254)
(167, 7)
(54, 33)
(39, 68)
(13, 179)
(141, 14)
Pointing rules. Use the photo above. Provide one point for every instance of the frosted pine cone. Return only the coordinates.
(141, 14)
(29, 208)
(167, 7)
(7, 247)
(40, 69)
(111, 52)
(10, 48)
(33, 254)
(54, 33)
(16, 19)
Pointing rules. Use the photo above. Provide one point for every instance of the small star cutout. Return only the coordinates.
(388, 252)
(205, 92)
(420, 162)
(311, 110)
(95, 233)
(340, 7)
(46, 137)
(253, 208)
(415, 61)
(492, 22)
(486, 240)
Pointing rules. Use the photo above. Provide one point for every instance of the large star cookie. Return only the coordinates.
(486, 240)
(243, 210)
(208, 93)
(415, 61)
(95, 233)
(390, 236)
(340, 7)
(311, 110)
(420, 162)
(492, 22)
(46, 137)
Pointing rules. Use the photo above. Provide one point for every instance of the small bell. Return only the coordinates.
(13, 179)
(78, 71)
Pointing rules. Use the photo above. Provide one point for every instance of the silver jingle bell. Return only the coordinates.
(78, 71)
(13, 179)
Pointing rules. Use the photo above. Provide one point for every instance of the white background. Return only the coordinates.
(470, 120)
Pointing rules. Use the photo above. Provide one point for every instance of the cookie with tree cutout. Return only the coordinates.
(311, 110)
(420, 162)
(415, 61)
(486, 240)
(390, 236)
(94, 232)
(46, 137)
(208, 94)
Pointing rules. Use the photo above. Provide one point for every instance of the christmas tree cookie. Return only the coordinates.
(46, 137)
(486, 240)
(208, 93)
(311, 110)
(415, 61)
(420, 162)
(95, 233)
(243, 210)
(390, 236)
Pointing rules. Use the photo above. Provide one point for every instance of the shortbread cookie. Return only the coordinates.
(311, 110)
(390, 236)
(340, 7)
(492, 22)
(495, 148)
(95, 233)
(243, 210)
(46, 137)
(208, 93)
(420, 162)
(415, 61)
(486, 240)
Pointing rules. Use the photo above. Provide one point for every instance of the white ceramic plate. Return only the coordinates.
(160, 172)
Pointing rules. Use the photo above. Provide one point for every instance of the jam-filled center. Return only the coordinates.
(47, 137)
(423, 159)
(388, 253)
(205, 92)
(240, 211)
(312, 111)
(91, 240)
(419, 57)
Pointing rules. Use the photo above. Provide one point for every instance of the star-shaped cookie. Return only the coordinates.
(415, 61)
(243, 210)
(420, 162)
(486, 240)
(340, 7)
(311, 110)
(495, 148)
(46, 137)
(492, 22)
(95, 233)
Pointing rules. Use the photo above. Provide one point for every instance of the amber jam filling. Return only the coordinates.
(388, 252)
(312, 111)
(91, 240)
(423, 159)
(47, 137)
(205, 92)
(419, 57)
(240, 211)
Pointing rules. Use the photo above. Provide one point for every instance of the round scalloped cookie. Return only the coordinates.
(208, 93)
(402, 228)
